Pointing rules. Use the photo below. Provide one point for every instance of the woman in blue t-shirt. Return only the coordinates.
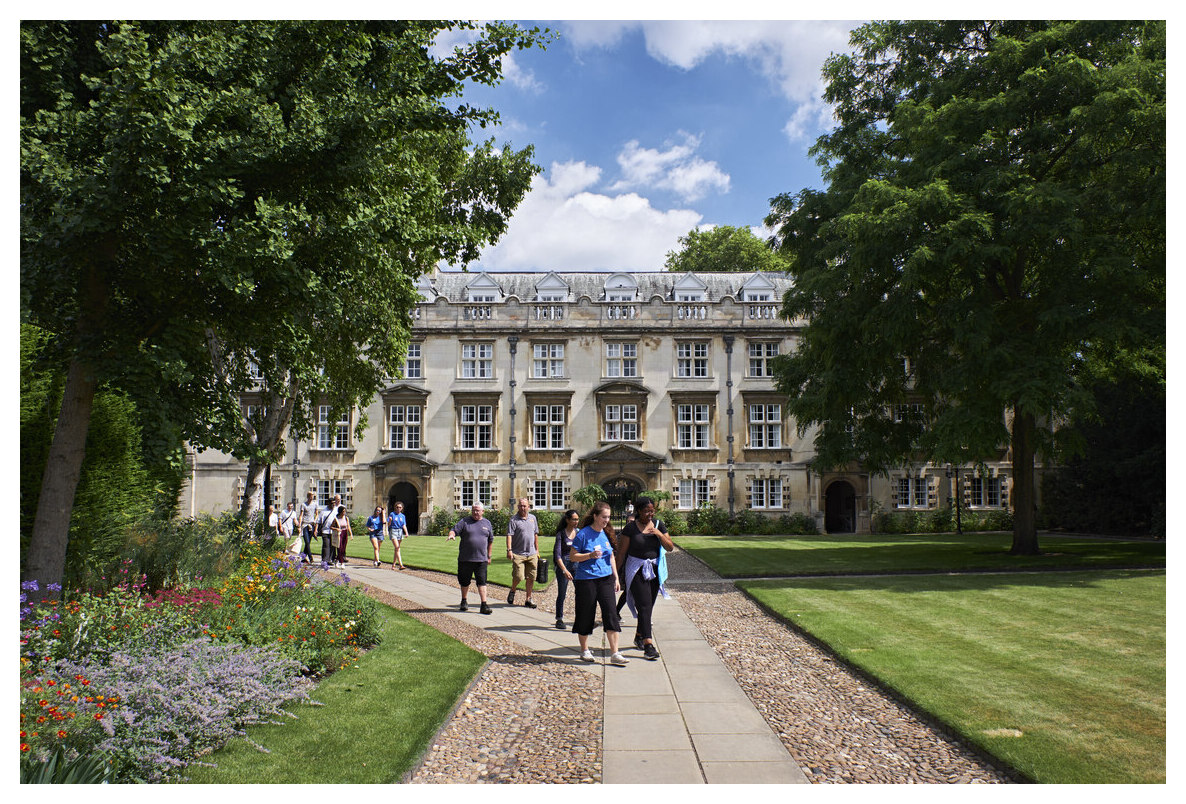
(375, 530)
(397, 528)
(596, 582)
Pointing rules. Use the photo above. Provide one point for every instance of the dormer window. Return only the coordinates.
(689, 288)
(483, 290)
(621, 288)
(551, 289)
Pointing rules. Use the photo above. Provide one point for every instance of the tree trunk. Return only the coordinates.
(46, 561)
(251, 486)
(1025, 528)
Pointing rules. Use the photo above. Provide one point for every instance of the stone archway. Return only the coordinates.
(409, 495)
(840, 507)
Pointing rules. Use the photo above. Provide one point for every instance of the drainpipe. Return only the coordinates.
(729, 398)
(513, 340)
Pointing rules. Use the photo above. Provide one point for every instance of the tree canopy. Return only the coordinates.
(994, 218)
(724, 249)
(202, 202)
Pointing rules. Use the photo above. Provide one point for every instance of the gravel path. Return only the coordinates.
(525, 719)
(528, 719)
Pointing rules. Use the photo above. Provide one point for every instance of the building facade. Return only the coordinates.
(536, 384)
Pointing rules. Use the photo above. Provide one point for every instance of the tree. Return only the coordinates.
(724, 249)
(117, 483)
(994, 218)
(585, 496)
(202, 202)
(1113, 478)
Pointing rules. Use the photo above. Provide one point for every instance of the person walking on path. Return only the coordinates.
(476, 538)
(397, 528)
(640, 553)
(596, 582)
(566, 531)
(287, 525)
(375, 531)
(273, 524)
(329, 550)
(341, 535)
(523, 551)
(307, 522)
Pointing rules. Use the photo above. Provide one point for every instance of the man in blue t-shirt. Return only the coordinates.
(476, 536)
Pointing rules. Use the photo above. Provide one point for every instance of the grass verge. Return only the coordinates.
(377, 719)
(1060, 675)
(758, 556)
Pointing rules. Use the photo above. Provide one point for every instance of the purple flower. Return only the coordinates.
(30, 586)
(54, 587)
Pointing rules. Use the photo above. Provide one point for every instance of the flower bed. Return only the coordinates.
(153, 683)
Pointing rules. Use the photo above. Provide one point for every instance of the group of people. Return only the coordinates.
(331, 525)
(397, 531)
(588, 554)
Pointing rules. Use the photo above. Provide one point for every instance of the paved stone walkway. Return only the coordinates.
(679, 720)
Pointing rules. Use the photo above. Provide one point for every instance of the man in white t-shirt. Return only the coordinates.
(288, 523)
(307, 522)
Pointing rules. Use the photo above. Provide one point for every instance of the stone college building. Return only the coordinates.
(536, 384)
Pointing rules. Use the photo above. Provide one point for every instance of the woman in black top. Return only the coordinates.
(569, 524)
(638, 555)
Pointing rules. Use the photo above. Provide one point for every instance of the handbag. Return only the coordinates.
(541, 571)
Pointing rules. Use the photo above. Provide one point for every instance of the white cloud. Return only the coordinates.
(788, 53)
(562, 225)
(677, 169)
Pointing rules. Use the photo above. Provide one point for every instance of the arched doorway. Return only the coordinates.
(619, 492)
(407, 494)
(840, 508)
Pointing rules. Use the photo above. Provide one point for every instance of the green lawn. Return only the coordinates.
(1061, 675)
(436, 553)
(378, 716)
(758, 556)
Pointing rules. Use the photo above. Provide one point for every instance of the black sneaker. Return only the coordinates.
(527, 604)
(650, 652)
(559, 623)
(464, 606)
(484, 609)
(511, 597)
(638, 641)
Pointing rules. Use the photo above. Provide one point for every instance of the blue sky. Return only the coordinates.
(645, 130)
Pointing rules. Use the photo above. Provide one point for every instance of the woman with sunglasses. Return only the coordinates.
(566, 531)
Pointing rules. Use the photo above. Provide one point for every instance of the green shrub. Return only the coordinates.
(675, 521)
(797, 524)
(748, 521)
(940, 520)
(178, 553)
(548, 522)
(438, 523)
(708, 520)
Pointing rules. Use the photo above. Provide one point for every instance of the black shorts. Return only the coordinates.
(471, 570)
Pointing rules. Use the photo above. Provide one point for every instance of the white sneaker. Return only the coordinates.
(618, 659)
(588, 656)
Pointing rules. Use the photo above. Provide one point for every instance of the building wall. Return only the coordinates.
(583, 322)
